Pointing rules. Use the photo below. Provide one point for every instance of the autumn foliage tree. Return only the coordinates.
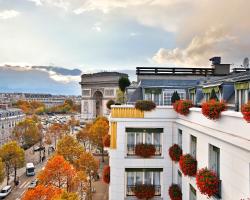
(98, 131)
(27, 132)
(2, 172)
(59, 173)
(88, 164)
(56, 131)
(69, 148)
(83, 136)
(13, 157)
(42, 192)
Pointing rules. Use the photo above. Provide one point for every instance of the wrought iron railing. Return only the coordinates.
(131, 189)
(131, 150)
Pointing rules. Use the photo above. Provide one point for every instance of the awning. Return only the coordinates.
(192, 91)
(208, 89)
(153, 90)
(146, 130)
(241, 85)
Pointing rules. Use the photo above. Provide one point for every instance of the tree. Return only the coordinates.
(69, 148)
(67, 196)
(124, 82)
(175, 97)
(120, 97)
(88, 164)
(13, 157)
(81, 183)
(42, 192)
(72, 123)
(110, 103)
(27, 132)
(58, 172)
(56, 131)
(213, 95)
(83, 136)
(2, 172)
(69, 102)
(98, 130)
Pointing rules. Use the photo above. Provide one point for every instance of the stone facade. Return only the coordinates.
(97, 89)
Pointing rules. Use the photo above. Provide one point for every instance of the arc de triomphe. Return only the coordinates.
(97, 89)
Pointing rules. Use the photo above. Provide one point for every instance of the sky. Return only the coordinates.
(115, 35)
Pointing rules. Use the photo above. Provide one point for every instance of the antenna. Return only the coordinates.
(246, 62)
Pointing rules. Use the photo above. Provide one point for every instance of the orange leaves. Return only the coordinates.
(42, 192)
(58, 172)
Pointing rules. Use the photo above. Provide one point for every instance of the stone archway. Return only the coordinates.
(98, 96)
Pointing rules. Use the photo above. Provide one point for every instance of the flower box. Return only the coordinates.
(212, 109)
(207, 182)
(106, 174)
(175, 152)
(144, 191)
(245, 110)
(145, 150)
(106, 141)
(182, 106)
(188, 165)
(174, 192)
(145, 105)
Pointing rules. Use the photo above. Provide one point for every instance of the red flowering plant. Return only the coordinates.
(106, 140)
(106, 174)
(212, 109)
(144, 191)
(245, 110)
(182, 106)
(174, 192)
(188, 165)
(145, 150)
(207, 182)
(175, 152)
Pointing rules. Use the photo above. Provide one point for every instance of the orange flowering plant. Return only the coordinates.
(245, 110)
(182, 106)
(212, 109)
(188, 165)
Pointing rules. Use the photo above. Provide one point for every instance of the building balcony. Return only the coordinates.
(131, 150)
(131, 188)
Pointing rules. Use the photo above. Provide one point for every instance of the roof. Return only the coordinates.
(136, 95)
(146, 83)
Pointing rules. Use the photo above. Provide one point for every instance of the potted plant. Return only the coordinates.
(207, 182)
(106, 174)
(212, 109)
(182, 106)
(145, 105)
(175, 152)
(174, 192)
(245, 110)
(175, 97)
(144, 191)
(110, 103)
(145, 150)
(188, 165)
(106, 140)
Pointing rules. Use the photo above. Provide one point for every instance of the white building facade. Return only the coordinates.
(222, 146)
(9, 118)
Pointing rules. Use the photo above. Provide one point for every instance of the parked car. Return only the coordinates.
(38, 148)
(33, 184)
(5, 191)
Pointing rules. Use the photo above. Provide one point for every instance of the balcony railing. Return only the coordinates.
(131, 150)
(131, 189)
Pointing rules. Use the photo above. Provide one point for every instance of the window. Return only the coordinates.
(179, 179)
(157, 98)
(180, 137)
(143, 136)
(193, 146)
(86, 92)
(214, 159)
(109, 92)
(192, 193)
(167, 94)
(143, 176)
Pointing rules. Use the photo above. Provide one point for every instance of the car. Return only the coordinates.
(5, 191)
(38, 148)
(33, 184)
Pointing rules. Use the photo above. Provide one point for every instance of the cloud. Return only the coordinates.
(97, 27)
(37, 2)
(6, 14)
(198, 51)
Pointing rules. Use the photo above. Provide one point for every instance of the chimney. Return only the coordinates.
(219, 69)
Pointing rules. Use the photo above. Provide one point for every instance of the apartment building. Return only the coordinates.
(9, 117)
(222, 145)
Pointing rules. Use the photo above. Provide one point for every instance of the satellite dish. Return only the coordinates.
(246, 62)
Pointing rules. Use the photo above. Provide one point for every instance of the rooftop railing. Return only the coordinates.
(174, 71)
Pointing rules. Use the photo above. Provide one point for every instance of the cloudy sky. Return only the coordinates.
(93, 35)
